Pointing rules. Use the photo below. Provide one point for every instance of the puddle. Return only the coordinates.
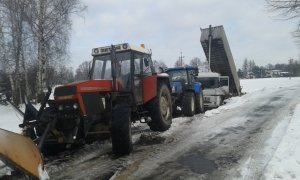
(197, 163)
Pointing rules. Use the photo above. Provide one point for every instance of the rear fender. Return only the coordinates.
(149, 88)
(164, 78)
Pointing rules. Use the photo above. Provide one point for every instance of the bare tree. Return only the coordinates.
(51, 24)
(12, 38)
(82, 71)
(159, 64)
(179, 62)
(195, 62)
(288, 9)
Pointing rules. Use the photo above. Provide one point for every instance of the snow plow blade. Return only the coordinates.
(20, 152)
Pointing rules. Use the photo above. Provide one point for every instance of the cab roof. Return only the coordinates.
(119, 48)
(182, 68)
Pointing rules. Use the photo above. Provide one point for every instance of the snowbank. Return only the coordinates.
(285, 163)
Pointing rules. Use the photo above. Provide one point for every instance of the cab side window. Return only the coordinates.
(146, 65)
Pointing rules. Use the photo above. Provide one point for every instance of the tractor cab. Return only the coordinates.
(126, 66)
(182, 78)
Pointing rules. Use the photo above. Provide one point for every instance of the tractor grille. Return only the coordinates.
(65, 90)
(94, 103)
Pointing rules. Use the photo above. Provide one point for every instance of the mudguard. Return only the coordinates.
(22, 153)
(197, 87)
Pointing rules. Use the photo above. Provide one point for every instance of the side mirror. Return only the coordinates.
(146, 62)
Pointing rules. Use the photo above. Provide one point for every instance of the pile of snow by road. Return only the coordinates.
(285, 164)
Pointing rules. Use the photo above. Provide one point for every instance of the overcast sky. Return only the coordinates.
(169, 27)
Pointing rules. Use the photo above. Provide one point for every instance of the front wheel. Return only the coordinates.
(121, 129)
(199, 102)
(160, 109)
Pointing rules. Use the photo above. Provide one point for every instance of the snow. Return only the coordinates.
(9, 119)
(253, 85)
(284, 163)
(43, 175)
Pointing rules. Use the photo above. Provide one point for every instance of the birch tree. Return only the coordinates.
(12, 33)
(50, 21)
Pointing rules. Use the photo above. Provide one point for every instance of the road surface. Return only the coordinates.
(235, 141)
(232, 142)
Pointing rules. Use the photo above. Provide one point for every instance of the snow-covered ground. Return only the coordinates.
(10, 119)
(284, 161)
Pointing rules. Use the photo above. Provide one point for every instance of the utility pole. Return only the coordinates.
(209, 46)
(181, 59)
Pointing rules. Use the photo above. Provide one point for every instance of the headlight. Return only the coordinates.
(60, 107)
(173, 89)
(75, 106)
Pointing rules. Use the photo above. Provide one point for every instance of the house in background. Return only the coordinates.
(276, 73)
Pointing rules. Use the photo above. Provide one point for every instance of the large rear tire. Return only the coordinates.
(189, 104)
(199, 102)
(121, 129)
(160, 109)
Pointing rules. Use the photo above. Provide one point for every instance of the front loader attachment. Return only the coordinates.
(20, 152)
(23, 151)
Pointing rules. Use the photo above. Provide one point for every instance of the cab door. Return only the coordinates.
(149, 79)
(137, 78)
(144, 78)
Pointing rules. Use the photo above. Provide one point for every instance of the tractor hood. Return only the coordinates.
(71, 90)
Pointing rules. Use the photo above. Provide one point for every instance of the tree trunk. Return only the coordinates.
(27, 90)
(41, 77)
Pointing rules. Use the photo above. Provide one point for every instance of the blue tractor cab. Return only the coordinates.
(186, 92)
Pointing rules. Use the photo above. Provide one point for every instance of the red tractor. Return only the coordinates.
(123, 87)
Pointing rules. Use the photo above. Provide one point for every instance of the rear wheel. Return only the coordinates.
(160, 109)
(121, 129)
(189, 104)
(199, 102)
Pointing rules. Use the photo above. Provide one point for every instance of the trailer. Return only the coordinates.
(217, 51)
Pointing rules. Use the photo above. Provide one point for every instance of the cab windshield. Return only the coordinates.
(209, 82)
(102, 66)
(179, 75)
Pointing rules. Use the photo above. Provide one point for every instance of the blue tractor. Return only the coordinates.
(186, 92)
